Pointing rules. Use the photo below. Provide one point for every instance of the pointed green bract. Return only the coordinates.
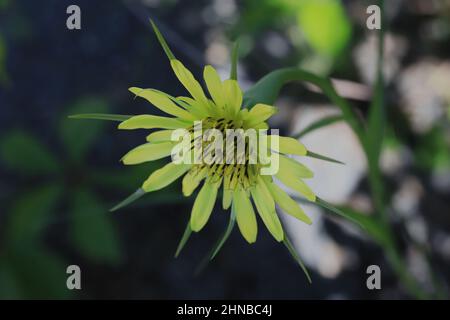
(162, 41)
(321, 157)
(101, 116)
(186, 235)
(225, 236)
(330, 207)
(136, 195)
(296, 257)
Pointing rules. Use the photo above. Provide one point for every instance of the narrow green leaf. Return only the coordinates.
(136, 195)
(321, 157)
(162, 41)
(219, 244)
(296, 257)
(319, 124)
(374, 226)
(234, 61)
(101, 116)
(330, 207)
(186, 235)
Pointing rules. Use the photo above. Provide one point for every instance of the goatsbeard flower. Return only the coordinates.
(242, 183)
(245, 186)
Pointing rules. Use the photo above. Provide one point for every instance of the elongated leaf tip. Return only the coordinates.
(225, 236)
(162, 41)
(321, 157)
(184, 239)
(101, 116)
(296, 257)
(339, 212)
(136, 195)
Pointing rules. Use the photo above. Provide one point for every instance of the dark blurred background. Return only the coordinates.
(60, 176)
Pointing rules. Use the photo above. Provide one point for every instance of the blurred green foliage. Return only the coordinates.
(433, 151)
(324, 28)
(325, 25)
(28, 267)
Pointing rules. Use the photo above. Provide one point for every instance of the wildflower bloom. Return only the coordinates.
(244, 185)
(241, 183)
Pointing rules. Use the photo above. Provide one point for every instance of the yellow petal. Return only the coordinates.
(290, 166)
(203, 205)
(266, 209)
(289, 145)
(286, 203)
(227, 192)
(160, 136)
(259, 113)
(146, 121)
(214, 84)
(245, 215)
(295, 183)
(233, 96)
(227, 199)
(162, 102)
(188, 80)
(191, 181)
(164, 176)
(148, 152)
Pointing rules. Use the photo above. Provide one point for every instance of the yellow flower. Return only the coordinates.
(247, 183)
(244, 188)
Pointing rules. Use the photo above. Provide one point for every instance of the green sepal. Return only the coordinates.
(296, 257)
(162, 41)
(136, 195)
(101, 116)
(321, 157)
(186, 235)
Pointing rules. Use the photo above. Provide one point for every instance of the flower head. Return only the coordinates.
(243, 184)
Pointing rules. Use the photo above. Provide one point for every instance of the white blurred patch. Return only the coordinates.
(332, 182)
(365, 55)
(424, 89)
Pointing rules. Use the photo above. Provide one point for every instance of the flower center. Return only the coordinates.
(224, 150)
